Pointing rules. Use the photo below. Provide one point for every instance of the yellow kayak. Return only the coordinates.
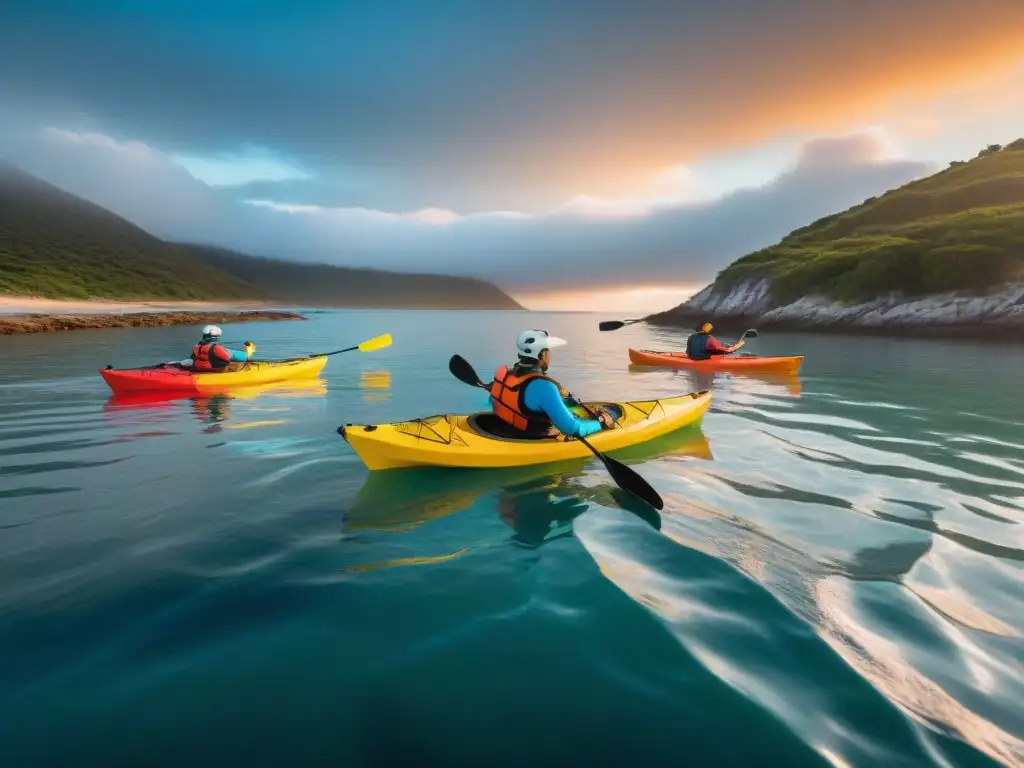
(483, 440)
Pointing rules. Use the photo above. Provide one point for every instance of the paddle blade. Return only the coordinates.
(464, 372)
(642, 510)
(610, 325)
(380, 342)
(749, 334)
(628, 480)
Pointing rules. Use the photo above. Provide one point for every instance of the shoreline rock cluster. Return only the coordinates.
(998, 315)
(38, 323)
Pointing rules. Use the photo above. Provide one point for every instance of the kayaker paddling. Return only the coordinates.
(702, 345)
(240, 371)
(525, 398)
(211, 356)
(462, 441)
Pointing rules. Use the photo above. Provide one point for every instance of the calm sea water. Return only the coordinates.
(837, 578)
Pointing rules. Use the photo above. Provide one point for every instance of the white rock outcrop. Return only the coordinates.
(751, 300)
(751, 297)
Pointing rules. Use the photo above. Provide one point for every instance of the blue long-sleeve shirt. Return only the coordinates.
(542, 395)
(236, 356)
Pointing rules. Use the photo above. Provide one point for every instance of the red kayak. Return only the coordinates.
(175, 378)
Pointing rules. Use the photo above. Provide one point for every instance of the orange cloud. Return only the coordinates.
(634, 301)
(821, 73)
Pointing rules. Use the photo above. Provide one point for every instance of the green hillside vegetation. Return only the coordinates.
(59, 246)
(328, 286)
(961, 229)
(56, 245)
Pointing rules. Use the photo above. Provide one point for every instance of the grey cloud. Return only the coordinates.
(456, 104)
(682, 245)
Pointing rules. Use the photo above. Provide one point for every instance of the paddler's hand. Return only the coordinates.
(605, 418)
(249, 348)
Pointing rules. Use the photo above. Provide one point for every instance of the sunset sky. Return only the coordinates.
(581, 154)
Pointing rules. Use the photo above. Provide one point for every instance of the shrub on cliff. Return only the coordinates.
(895, 267)
(961, 229)
(810, 275)
(965, 266)
(852, 270)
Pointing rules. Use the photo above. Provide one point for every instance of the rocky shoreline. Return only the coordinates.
(38, 323)
(997, 316)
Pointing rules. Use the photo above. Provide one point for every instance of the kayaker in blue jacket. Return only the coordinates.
(527, 399)
(702, 345)
(209, 355)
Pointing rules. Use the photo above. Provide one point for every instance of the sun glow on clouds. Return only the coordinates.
(714, 178)
(434, 217)
(702, 182)
(636, 301)
(955, 125)
(675, 187)
(672, 188)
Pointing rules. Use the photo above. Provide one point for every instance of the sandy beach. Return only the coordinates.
(22, 305)
(138, 318)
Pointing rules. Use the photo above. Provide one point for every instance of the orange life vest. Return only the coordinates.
(203, 358)
(507, 391)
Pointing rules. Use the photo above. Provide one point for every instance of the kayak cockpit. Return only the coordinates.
(487, 424)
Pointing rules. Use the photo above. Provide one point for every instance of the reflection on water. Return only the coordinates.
(702, 381)
(376, 385)
(837, 577)
(538, 503)
(399, 500)
(403, 562)
(282, 389)
(214, 411)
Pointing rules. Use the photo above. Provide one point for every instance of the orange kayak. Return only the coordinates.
(732, 363)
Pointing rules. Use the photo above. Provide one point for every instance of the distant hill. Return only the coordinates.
(56, 245)
(961, 229)
(327, 286)
(59, 246)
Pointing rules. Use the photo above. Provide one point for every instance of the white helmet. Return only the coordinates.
(532, 343)
(211, 331)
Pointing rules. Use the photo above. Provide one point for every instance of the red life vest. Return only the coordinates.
(507, 391)
(205, 357)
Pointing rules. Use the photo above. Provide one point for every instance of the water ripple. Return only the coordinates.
(837, 577)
